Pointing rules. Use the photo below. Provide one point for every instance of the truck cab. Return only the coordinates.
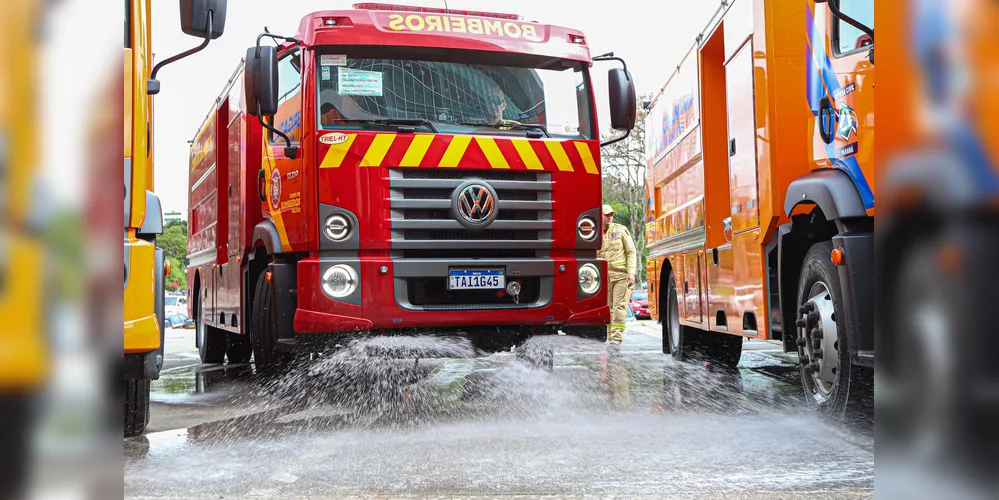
(411, 170)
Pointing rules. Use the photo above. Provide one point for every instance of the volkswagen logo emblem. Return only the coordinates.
(474, 204)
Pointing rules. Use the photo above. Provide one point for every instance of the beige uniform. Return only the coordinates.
(619, 252)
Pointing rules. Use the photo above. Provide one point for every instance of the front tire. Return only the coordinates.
(136, 407)
(211, 341)
(824, 354)
(598, 333)
(263, 333)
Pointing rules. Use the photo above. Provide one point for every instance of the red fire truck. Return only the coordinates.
(401, 170)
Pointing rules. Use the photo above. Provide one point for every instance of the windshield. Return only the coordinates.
(455, 97)
(640, 296)
(171, 301)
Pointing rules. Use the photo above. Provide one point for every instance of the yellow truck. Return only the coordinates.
(145, 267)
(23, 367)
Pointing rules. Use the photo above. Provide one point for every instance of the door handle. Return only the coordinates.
(731, 147)
(827, 120)
(727, 228)
(261, 187)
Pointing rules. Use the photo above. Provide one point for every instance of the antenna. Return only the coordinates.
(446, 9)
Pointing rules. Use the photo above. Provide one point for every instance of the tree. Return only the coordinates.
(173, 241)
(624, 182)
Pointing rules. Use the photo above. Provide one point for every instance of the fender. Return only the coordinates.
(266, 233)
(153, 223)
(830, 189)
(943, 178)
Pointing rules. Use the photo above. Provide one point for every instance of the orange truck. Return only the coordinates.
(760, 218)
(938, 234)
(145, 266)
(395, 170)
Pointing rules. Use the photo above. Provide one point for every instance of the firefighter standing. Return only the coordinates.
(619, 251)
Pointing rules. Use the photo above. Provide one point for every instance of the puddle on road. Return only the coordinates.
(198, 383)
(560, 414)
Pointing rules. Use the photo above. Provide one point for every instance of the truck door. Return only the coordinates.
(285, 178)
(841, 93)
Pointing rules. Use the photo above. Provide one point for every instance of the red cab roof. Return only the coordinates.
(408, 26)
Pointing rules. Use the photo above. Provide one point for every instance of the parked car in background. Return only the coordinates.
(639, 304)
(178, 320)
(175, 304)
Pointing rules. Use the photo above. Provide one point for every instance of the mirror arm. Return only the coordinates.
(290, 151)
(610, 57)
(276, 37)
(619, 139)
(154, 88)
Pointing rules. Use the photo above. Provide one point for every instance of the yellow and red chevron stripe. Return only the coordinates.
(461, 151)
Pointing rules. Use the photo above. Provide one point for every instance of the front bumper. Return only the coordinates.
(382, 300)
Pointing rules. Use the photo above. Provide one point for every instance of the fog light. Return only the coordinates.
(337, 227)
(589, 279)
(340, 281)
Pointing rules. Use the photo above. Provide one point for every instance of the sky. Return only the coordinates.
(651, 36)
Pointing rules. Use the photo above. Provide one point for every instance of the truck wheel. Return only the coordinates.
(823, 351)
(136, 407)
(677, 340)
(538, 352)
(587, 332)
(725, 351)
(687, 344)
(211, 341)
(239, 348)
(263, 335)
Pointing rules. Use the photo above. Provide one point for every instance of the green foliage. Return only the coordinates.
(64, 238)
(173, 241)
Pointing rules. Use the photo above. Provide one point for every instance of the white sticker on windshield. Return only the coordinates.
(333, 60)
(359, 82)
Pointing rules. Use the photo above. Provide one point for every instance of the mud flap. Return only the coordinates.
(284, 280)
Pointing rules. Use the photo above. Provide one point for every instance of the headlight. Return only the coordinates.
(340, 281)
(587, 228)
(589, 279)
(337, 227)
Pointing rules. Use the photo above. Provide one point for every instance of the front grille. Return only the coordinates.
(469, 254)
(422, 219)
(433, 293)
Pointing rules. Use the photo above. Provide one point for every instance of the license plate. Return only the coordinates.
(476, 279)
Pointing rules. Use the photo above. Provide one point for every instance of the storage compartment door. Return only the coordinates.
(744, 196)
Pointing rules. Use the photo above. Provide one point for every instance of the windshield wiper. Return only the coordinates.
(530, 127)
(398, 122)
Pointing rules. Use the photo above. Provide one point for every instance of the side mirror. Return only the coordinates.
(194, 16)
(623, 99)
(260, 83)
(201, 18)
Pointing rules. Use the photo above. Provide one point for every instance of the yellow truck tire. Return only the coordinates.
(136, 407)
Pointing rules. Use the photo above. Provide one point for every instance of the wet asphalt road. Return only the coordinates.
(597, 425)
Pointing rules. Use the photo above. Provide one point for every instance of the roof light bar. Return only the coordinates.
(435, 10)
